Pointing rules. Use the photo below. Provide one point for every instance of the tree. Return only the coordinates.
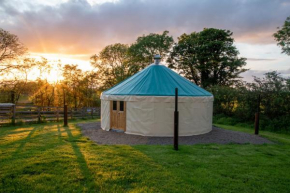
(143, 50)
(272, 82)
(17, 77)
(45, 94)
(89, 85)
(207, 58)
(44, 67)
(72, 80)
(282, 36)
(10, 49)
(240, 103)
(113, 65)
(25, 67)
(20, 73)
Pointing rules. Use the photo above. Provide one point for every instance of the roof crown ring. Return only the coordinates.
(157, 59)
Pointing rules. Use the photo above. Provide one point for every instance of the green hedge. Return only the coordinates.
(238, 104)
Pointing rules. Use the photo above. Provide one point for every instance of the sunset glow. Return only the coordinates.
(81, 60)
(73, 30)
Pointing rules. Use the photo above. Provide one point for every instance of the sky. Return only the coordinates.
(73, 30)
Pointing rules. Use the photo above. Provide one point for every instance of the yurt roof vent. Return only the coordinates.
(157, 59)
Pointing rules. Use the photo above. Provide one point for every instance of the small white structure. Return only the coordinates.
(6, 104)
(144, 104)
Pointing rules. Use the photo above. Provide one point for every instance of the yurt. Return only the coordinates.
(143, 104)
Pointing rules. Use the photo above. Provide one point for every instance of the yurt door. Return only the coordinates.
(122, 115)
(118, 115)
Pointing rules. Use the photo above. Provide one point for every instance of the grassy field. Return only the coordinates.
(53, 158)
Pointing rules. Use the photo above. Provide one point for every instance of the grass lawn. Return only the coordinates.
(53, 158)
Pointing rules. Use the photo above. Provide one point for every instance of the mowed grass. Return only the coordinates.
(53, 158)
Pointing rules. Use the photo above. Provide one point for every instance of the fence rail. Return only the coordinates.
(21, 113)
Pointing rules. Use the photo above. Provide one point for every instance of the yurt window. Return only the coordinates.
(121, 105)
(114, 105)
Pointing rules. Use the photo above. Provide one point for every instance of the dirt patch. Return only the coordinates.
(217, 135)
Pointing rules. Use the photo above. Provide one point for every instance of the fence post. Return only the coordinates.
(57, 114)
(257, 116)
(92, 112)
(38, 115)
(176, 120)
(65, 116)
(71, 113)
(83, 112)
(13, 114)
(12, 97)
(98, 111)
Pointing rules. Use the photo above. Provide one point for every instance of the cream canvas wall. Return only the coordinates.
(153, 115)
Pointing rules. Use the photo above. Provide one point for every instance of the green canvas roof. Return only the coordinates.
(156, 80)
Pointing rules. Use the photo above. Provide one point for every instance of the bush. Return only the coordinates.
(280, 124)
(225, 120)
(238, 105)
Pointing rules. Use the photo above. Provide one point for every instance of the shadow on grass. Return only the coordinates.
(14, 132)
(24, 141)
(59, 132)
(80, 157)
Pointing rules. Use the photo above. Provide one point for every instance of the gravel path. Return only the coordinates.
(217, 135)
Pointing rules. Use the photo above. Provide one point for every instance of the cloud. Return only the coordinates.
(260, 59)
(79, 27)
(249, 75)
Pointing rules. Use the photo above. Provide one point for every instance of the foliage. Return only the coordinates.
(53, 158)
(117, 62)
(207, 58)
(17, 78)
(241, 102)
(78, 89)
(47, 94)
(43, 66)
(24, 68)
(19, 88)
(10, 49)
(282, 36)
(143, 50)
(81, 88)
(72, 76)
(113, 65)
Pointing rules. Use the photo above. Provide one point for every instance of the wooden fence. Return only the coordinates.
(22, 113)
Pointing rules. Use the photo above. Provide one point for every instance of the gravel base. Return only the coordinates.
(217, 135)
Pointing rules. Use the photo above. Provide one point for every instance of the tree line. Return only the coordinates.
(208, 58)
(76, 87)
(237, 104)
(270, 95)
